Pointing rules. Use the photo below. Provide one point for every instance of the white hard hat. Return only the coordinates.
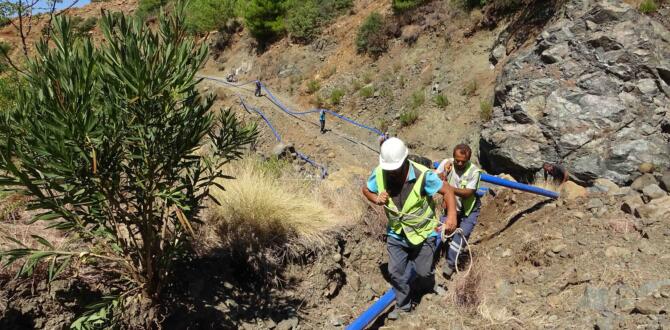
(393, 154)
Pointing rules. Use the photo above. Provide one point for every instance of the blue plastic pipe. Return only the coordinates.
(381, 304)
(375, 310)
(388, 298)
(518, 186)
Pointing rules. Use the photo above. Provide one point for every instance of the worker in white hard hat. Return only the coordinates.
(406, 190)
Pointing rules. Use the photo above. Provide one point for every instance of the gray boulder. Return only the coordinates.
(653, 191)
(665, 181)
(657, 209)
(593, 93)
(643, 181)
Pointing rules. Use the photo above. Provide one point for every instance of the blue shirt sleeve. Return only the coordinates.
(433, 183)
(372, 182)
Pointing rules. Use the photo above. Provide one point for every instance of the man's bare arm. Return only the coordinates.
(377, 199)
(449, 203)
(464, 193)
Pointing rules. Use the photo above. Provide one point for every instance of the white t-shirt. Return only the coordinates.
(454, 178)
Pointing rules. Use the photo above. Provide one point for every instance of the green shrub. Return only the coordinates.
(264, 19)
(5, 49)
(332, 8)
(485, 110)
(356, 85)
(470, 89)
(441, 101)
(648, 6)
(408, 118)
(417, 99)
(371, 37)
(81, 27)
(318, 101)
(336, 96)
(302, 20)
(147, 8)
(367, 78)
(400, 6)
(116, 152)
(208, 15)
(313, 86)
(471, 4)
(10, 85)
(367, 91)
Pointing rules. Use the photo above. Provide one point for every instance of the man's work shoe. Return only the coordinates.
(397, 313)
(440, 291)
(448, 271)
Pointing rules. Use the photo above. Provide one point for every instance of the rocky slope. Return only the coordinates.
(593, 92)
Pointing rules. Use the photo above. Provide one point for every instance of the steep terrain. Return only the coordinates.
(595, 258)
(593, 92)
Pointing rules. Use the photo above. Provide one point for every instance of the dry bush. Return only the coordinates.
(468, 291)
(375, 223)
(267, 218)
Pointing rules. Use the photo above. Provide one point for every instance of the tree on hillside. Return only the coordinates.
(209, 15)
(264, 18)
(122, 157)
(371, 37)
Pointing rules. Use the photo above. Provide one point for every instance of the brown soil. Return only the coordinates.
(536, 263)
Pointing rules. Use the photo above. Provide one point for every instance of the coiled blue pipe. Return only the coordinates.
(518, 186)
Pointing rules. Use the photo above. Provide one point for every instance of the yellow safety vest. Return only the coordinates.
(467, 204)
(417, 219)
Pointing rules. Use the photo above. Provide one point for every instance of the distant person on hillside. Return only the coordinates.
(258, 88)
(463, 177)
(231, 78)
(322, 120)
(405, 189)
(558, 173)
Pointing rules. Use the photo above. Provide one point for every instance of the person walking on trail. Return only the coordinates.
(257, 93)
(322, 120)
(558, 173)
(406, 190)
(463, 176)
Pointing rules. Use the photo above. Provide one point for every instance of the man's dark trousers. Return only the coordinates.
(401, 253)
(467, 224)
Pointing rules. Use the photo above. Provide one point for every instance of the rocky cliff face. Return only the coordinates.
(593, 93)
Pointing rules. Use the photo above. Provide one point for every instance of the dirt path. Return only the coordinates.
(342, 146)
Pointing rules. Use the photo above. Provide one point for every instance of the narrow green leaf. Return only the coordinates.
(43, 241)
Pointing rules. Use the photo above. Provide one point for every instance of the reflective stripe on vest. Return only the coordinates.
(467, 204)
(417, 218)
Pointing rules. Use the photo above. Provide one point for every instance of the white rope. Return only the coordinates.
(444, 237)
(472, 258)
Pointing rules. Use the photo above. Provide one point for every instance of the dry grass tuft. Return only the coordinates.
(268, 216)
(494, 313)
